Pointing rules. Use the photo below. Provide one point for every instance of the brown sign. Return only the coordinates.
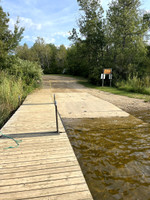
(107, 71)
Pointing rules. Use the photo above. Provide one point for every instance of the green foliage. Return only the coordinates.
(15, 83)
(117, 91)
(8, 39)
(146, 19)
(91, 38)
(11, 95)
(11, 90)
(135, 84)
(126, 45)
(116, 42)
(61, 59)
(29, 72)
(17, 77)
(24, 52)
(94, 76)
(77, 62)
(51, 58)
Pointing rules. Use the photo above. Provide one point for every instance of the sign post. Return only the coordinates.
(110, 78)
(106, 72)
(103, 78)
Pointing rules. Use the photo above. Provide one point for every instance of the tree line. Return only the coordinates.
(117, 41)
(51, 58)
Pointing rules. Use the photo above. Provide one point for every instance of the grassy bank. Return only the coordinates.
(15, 85)
(117, 91)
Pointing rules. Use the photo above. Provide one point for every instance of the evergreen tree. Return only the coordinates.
(8, 39)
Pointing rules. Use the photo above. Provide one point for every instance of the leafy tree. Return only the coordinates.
(8, 39)
(24, 52)
(61, 58)
(146, 19)
(41, 53)
(51, 58)
(126, 46)
(91, 36)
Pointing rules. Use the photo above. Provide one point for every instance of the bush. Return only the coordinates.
(15, 83)
(29, 72)
(94, 76)
(135, 84)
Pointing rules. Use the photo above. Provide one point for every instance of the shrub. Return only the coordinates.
(135, 84)
(15, 83)
(29, 72)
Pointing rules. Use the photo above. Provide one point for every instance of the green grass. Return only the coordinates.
(15, 84)
(116, 91)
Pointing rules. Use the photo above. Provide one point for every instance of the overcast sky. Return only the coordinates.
(49, 19)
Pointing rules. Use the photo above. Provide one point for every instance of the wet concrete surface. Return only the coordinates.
(114, 155)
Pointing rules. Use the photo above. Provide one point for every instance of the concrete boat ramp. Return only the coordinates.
(43, 165)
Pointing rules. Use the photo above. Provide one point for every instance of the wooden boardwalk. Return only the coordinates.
(44, 165)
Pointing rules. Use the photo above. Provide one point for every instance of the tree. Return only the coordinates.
(42, 53)
(91, 36)
(8, 39)
(127, 49)
(146, 19)
(61, 58)
(24, 52)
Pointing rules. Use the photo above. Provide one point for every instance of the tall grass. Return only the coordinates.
(135, 84)
(11, 93)
(15, 84)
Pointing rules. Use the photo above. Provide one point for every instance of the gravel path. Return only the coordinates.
(69, 84)
(125, 103)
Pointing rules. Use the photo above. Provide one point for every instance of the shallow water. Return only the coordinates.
(114, 155)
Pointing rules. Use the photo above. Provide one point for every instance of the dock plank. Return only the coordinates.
(44, 191)
(44, 165)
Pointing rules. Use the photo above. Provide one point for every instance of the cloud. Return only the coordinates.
(28, 23)
(63, 34)
(12, 23)
(147, 11)
(30, 2)
(49, 40)
(39, 26)
(34, 38)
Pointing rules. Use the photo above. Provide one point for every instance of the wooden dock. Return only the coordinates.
(44, 165)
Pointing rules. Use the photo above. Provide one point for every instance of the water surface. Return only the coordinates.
(114, 155)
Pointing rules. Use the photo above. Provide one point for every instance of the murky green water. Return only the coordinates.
(114, 155)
